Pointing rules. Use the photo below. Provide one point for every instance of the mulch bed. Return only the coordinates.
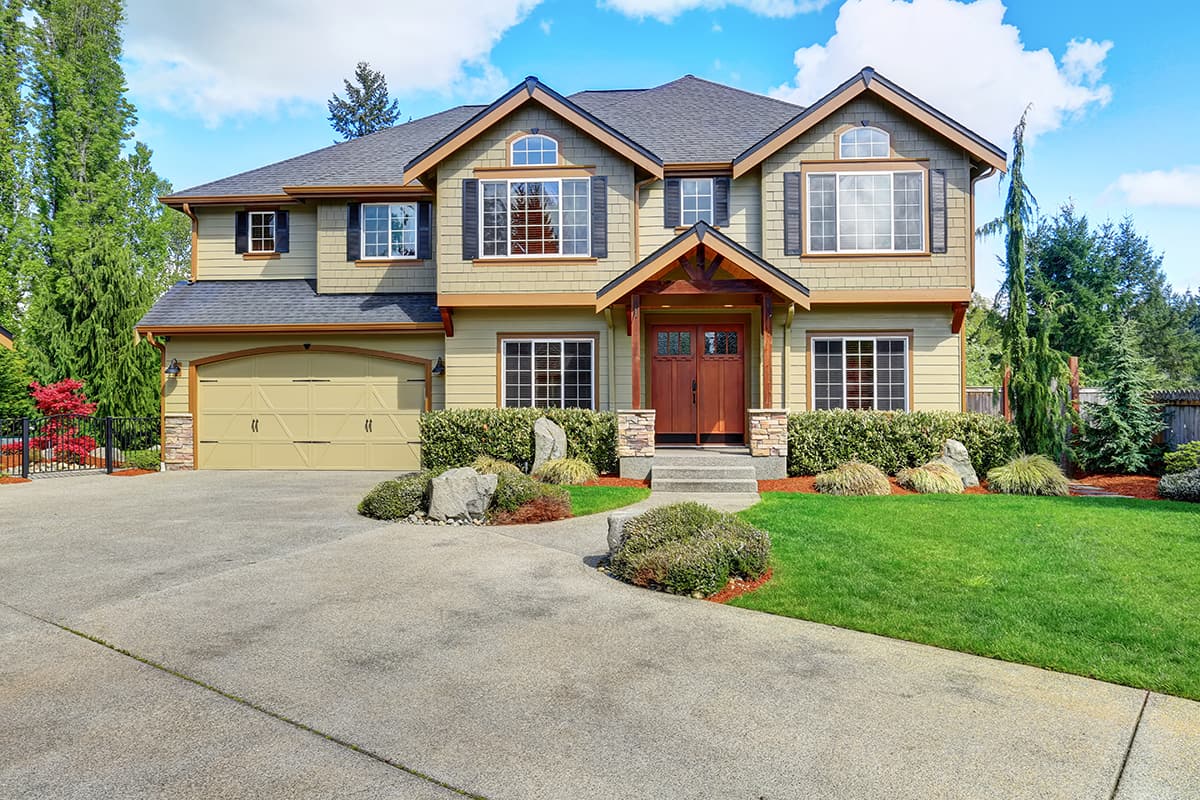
(7, 479)
(1143, 487)
(133, 473)
(613, 480)
(806, 484)
(738, 587)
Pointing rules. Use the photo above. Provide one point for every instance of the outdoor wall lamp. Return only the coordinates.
(173, 369)
(439, 368)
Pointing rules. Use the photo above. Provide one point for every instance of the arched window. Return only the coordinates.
(865, 142)
(534, 149)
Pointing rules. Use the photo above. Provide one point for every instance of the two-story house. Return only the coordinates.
(691, 248)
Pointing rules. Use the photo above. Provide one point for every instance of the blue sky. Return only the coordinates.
(1112, 111)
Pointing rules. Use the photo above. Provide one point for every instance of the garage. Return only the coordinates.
(316, 408)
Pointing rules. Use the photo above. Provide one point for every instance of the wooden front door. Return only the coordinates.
(698, 382)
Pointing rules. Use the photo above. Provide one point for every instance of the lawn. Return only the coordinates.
(1099, 587)
(594, 499)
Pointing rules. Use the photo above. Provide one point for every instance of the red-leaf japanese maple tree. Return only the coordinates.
(63, 403)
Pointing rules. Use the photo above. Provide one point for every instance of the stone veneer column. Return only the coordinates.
(177, 442)
(769, 442)
(635, 442)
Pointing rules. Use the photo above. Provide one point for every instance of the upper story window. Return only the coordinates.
(866, 212)
(696, 201)
(865, 142)
(536, 218)
(389, 230)
(262, 232)
(534, 150)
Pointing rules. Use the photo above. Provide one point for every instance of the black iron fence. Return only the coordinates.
(34, 446)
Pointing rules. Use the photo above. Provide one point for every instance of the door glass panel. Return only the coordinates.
(674, 343)
(720, 343)
(685, 343)
(663, 343)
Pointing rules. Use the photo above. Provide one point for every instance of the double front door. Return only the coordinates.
(698, 382)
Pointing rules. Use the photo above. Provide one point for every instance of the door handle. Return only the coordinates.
(693, 391)
(254, 426)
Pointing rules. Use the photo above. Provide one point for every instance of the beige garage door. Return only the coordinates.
(309, 410)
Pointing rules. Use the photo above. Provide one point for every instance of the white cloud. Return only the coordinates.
(962, 58)
(716, 27)
(668, 10)
(1175, 187)
(222, 58)
(546, 25)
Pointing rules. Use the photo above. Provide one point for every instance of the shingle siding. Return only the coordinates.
(336, 275)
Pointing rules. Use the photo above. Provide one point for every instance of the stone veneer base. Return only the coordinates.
(178, 453)
(769, 468)
(636, 467)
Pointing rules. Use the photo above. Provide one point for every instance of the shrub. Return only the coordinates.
(486, 465)
(1034, 474)
(935, 477)
(854, 478)
(1183, 486)
(397, 499)
(1186, 457)
(142, 459)
(563, 471)
(515, 489)
(543, 508)
(892, 440)
(455, 437)
(689, 548)
(519, 498)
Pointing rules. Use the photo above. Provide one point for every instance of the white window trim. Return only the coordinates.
(812, 370)
(562, 368)
(712, 201)
(513, 146)
(362, 233)
(837, 240)
(250, 248)
(508, 182)
(887, 137)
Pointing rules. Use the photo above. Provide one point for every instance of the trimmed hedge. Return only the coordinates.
(399, 498)
(142, 459)
(1183, 486)
(819, 441)
(1186, 458)
(456, 437)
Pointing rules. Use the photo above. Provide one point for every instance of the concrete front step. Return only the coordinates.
(704, 486)
(702, 471)
(701, 459)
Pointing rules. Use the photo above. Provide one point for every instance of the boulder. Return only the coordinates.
(549, 442)
(954, 455)
(616, 527)
(460, 494)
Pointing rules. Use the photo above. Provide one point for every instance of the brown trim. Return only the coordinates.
(392, 262)
(7, 342)
(535, 171)
(447, 321)
(882, 333)
(515, 299)
(698, 171)
(960, 315)
(929, 120)
(260, 256)
(366, 327)
(515, 135)
(889, 296)
(228, 200)
(162, 397)
(634, 312)
(517, 261)
(962, 366)
(742, 321)
(676, 166)
(594, 336)
(767, 400)
(788, 133)
(885, 127)
(867, 165)
(715, 302)
(356, 190)
(187, 210)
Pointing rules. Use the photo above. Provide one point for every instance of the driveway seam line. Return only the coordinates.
(1129, 747)
(252, 705)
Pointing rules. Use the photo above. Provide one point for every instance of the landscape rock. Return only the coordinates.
(460, 494)
(954, 455)
(616, 527)
(549, 442)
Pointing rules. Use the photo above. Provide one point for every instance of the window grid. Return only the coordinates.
(866, 212)
(536, 218)
(389, 230)
(262, 231)
(865, 142)
(534, 150)
(548, 373)
(859, 373)
(696, 198)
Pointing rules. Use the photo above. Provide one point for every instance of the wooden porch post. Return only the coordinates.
(767, 400)
(635, 340)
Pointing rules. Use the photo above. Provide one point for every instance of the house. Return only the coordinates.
(6, 338)
(692, 248)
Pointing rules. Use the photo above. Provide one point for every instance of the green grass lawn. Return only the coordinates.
(1106, 588)
(594, 499)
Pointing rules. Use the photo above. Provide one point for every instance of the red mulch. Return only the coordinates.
(540, 509)
(1143, 487)
(6, 479)
(132, 473)
(613, 480)
(738, 587)
(806, 484)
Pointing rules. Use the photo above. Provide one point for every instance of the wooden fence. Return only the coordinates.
(986, 399)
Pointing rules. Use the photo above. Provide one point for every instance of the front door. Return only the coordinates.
(698, 382)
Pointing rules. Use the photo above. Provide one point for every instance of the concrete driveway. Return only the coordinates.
(247, 635)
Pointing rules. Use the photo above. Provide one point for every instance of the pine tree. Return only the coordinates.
(14, 385)
(366, 108)
(14, 194)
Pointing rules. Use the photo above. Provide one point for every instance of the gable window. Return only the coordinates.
(872, 212)
(865, 142)
(548, 373)
(262, 231)
(860, 373)
(389, 230)
(534, 150)
(536, 218)
(696, 199)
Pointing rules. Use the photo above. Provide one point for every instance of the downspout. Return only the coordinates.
(612, 360)
(787, 353)
(187, 210)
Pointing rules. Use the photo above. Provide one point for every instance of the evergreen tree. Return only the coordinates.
(984, 349)
(367, 107)
(1118, 435)
(14, 194)
(14, 385)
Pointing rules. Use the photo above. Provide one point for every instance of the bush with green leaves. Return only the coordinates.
(456, 437)
(854, 478)
(141, 459)
(1035, 475)
(399, 498)
(892, 440)
(1183, 486)
(1185, 457)
(486, 465)
(514, 490)
(566, 472)
(936, 477)
(689, 548)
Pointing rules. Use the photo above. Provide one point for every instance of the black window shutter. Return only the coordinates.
(470, 219)
(425, 230)
(791, 214)
(353, 232)
(241, 232)
(282, 231)
(721, 202)
(937, 211)
(600, 216)
(671, 203)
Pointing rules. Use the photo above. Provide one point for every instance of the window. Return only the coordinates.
(548, 373)
(865, 143)
(262, 231)
(866, 212)
(389, 230)
(536, 218)
(696, 196)
(534, 150)
(860, 373)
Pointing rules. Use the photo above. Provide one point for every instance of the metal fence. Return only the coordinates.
(37, 446)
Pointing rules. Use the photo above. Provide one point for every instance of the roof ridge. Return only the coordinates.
(756, 95)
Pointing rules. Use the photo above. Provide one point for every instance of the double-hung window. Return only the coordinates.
(536, 217)
(860, 373)
(262, 232)
(866, 212)
(696, 200)
(548, 373)
(389, 230)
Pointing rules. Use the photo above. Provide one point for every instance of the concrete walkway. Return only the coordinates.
(243, 635)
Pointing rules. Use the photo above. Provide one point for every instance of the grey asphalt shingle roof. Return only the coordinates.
(282, 302)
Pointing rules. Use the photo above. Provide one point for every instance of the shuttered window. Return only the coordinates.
(696, 200)
(536, 218)
(866, 212)
(860, 373)
(262, 231)
(548, 373)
